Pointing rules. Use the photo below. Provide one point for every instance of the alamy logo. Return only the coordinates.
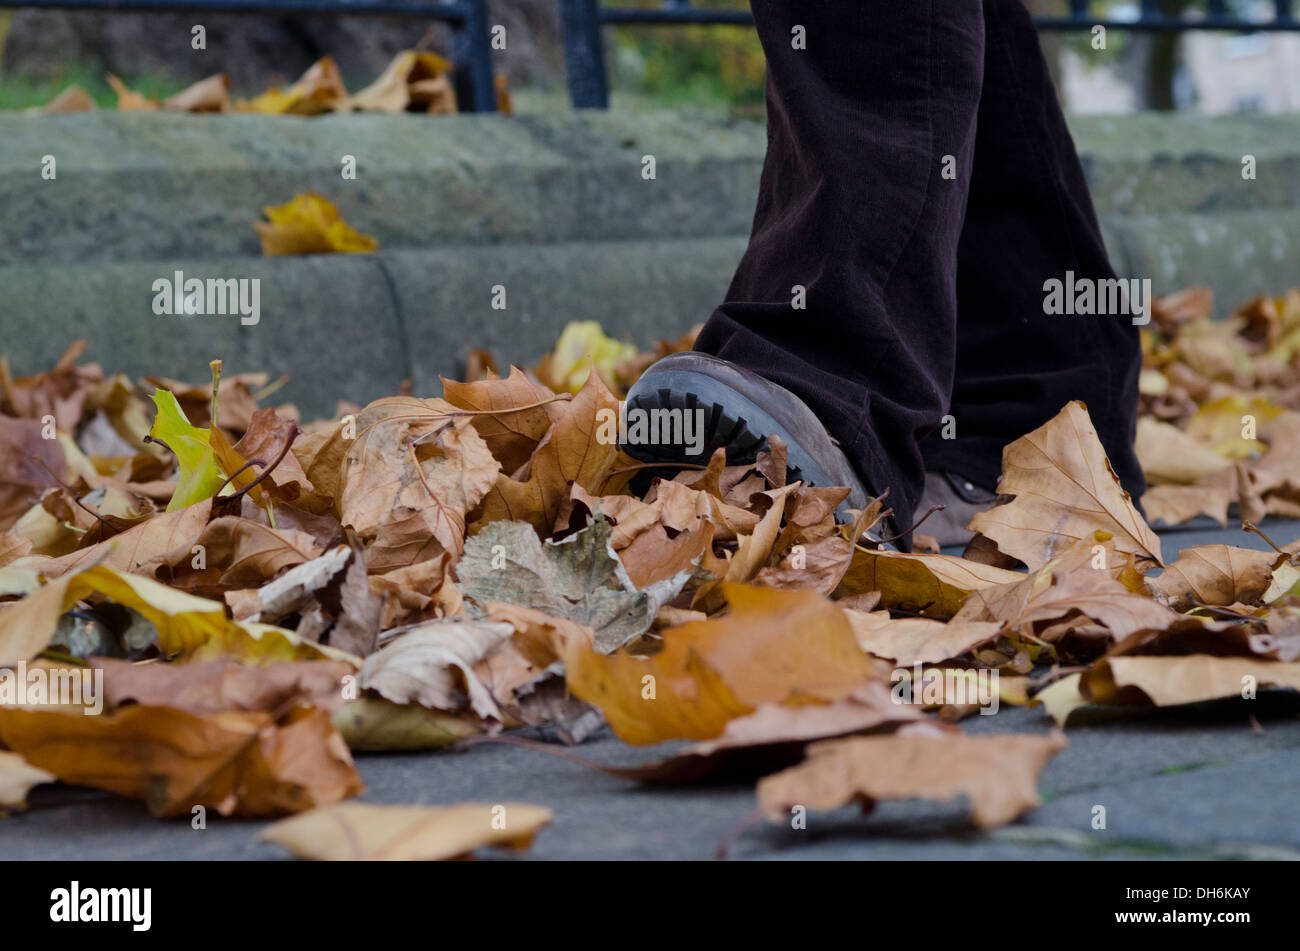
(936, 687)
(651, 427)
(133, 905)
(1108, 297)
(60, 686)
(180, 296)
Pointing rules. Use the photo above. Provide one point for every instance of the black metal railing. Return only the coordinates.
(582, 22)
(468, 19)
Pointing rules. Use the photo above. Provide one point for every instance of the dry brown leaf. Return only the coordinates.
(413, 472)
(512, 415)
(1171, 457)
(1064, 490)
(1216, 575)
(239, 763)
(998, 774)
(1170, 681)
(1068, 585)
(128, 100)
(433, 664)
(29, 464)
(72, 99)
(236, 553)
(320, 89)
(223, 686)
(414, 80)
(207, 95)
(909, 641)
(773, 737)
(1175, 504)
(932, 585)
(571, 453)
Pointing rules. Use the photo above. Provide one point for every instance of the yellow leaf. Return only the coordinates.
(773, 646)
(310, 224)
(185, 623)
(319, 89)
(364, 831)
(198, 476)
(1218, 424)
(582, 344)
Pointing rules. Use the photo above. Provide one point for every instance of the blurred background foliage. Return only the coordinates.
(708, 66)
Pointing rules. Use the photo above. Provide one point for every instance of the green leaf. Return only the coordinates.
(198, 477)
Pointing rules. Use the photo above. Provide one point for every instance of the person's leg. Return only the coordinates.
(856, 216)
(1029, 218)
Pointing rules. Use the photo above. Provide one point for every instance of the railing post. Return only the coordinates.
(584, 54)
(472, 51)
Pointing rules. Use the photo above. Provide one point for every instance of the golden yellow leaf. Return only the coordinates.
(310, 224)
(772, 646)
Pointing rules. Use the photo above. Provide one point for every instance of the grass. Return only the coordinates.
(24, 92)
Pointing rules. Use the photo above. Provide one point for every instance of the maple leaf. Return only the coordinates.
(409, 478)
(199, 475)
(1216, 575)
(1064, 490)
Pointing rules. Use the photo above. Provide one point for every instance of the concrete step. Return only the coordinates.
(354, 326)
(142, 186)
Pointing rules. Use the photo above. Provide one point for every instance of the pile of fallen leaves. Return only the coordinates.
(415, 81)
(1220, 422)
(263, 595)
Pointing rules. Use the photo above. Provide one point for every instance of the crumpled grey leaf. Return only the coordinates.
(579, 578)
